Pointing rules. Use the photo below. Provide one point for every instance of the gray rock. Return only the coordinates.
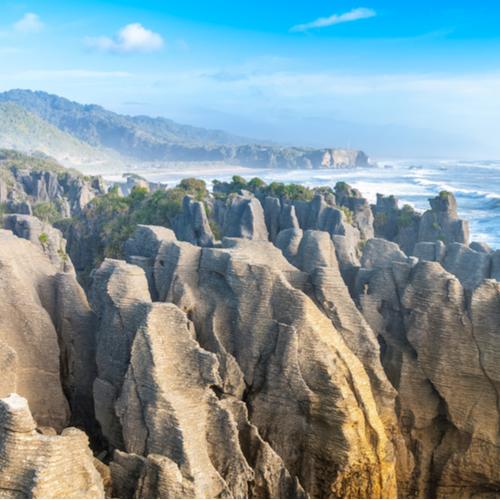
(381, 253)
(240, 305)
(29, 341)
(480, 247)
(431, 251)
(192, 224)
(439, 352)
(347, 251)
(442, 222)
(43, 235)
(19, 207)
(288, 218)
(141, 250)
(119, 297)
(181, 436)
(469, 266)
(495, 265)
(244, 218)
(288, 242)
(272, 214)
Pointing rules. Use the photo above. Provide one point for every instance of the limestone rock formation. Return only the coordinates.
(358, 206)
(162, 403)
(280, 354)
(378, 252)
(469, 266)
(43, 235)
(433, 251)
(46, 335)
(244, 218)
(119, 297)
(479, 246)
(142, 247)
(442, 222)
(316, 255)
(192, 224)
(67, 191)
(392, 223)
(28, 338)
(439, 349)
(36, 465)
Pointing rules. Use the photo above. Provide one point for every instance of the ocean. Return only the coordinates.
(476, 184)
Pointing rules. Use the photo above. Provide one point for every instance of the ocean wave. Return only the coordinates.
(437, 187)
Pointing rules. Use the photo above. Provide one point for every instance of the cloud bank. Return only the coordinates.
(346, 17)
(29, 23)
(132, 38)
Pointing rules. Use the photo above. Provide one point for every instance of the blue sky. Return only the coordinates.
(396, 78)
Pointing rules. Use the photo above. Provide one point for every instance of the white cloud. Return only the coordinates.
(29, 23)
(323, 22)
(131, 38)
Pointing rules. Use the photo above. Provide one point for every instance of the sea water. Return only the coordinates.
(476, 185)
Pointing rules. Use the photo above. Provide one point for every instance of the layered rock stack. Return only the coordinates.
(320, 348)
(39, 463)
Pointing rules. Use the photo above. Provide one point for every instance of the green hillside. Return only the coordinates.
(25, 131)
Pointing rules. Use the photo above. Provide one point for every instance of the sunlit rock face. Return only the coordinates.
(39, 463)
(262, 348)
(440, 345)
(46, 335)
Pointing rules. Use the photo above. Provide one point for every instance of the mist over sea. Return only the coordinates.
(476, 185)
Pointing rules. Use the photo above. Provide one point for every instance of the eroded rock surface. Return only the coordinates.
(28, 337)
(439, 347)
(37, 465)
(46, 335)
(162, 401)
(43, 235)
(284, 358)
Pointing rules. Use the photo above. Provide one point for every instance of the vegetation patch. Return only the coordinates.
(406, 216)
(43, 239)
(349, 216)
(47, 212)
(222, 190)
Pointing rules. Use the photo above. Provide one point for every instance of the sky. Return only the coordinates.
(394, 78)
